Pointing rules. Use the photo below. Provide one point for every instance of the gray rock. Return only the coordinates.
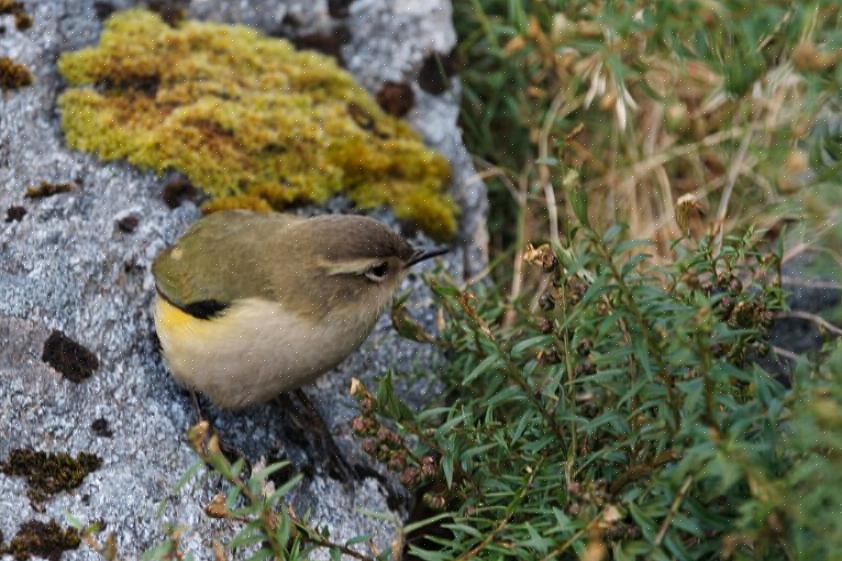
(67, 266)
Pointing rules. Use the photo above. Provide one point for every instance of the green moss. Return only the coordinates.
(47, 474)
(44, 540)
(247, 118)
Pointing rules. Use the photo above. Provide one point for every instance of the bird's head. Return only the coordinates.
(352, 262)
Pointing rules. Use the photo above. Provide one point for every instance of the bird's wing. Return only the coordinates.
(221, 259)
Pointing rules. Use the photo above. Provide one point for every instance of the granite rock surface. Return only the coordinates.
(79, 263)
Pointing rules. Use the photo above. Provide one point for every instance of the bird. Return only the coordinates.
(251, 305)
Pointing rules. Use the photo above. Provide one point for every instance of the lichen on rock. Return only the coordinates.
(248, 118)
(39, 539)
(47, 473)
(13, 75)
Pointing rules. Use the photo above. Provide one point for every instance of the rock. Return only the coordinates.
(74, 265)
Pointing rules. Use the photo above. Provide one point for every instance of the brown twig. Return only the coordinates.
(818, 320)
(733, 174)
(676, 503)
(517, 265)
(510, 512)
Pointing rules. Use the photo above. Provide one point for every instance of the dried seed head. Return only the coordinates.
(687, 207)
(541, 256)
(409, 477)
(808, 57)
(357, 387)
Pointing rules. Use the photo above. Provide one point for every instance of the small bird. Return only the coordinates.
(251, 305)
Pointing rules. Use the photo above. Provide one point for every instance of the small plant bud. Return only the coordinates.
(546, 301)
(548, 356)
(584, 347)
(397, 462)
(725, 305)
(409, 477)
(362, 425)
(609, 100)
(387, 436)
(216, 507)
(366, 405)
(735, 285)
(677, 118)
(434, 501)
(544, 325)
(213, 445)
(742, 314)
(370, 446)
(196, 436)
(428, 467)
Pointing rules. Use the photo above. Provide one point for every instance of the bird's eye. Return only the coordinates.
(378, 272)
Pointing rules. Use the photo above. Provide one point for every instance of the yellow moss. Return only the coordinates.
(249, 119)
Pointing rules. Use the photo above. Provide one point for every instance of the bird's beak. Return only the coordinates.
(424, 254)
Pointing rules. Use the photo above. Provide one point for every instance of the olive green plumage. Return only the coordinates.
(233, 255)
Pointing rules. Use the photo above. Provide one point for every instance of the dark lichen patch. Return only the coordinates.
(13, 75)
(396, 98)
(170, 12)
(47, 189)
(100, 427)
(44, 540)
(72, 360)
(178, 190)
(103, 9)
(339, 8)
(47, 473)
(434, 76)
(23, 20)
(325, 42)
(15, 213)
(248, 119)
(128, 224)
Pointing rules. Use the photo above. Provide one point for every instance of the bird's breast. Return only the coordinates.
(255, 349)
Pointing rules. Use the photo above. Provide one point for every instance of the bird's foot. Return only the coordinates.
(306, 418)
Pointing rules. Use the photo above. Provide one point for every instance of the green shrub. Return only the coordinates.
(626, 417)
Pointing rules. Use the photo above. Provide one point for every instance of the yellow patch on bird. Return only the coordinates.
(170, 321)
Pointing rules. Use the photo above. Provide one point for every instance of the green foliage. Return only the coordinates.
(626, 415)
(268, 527)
